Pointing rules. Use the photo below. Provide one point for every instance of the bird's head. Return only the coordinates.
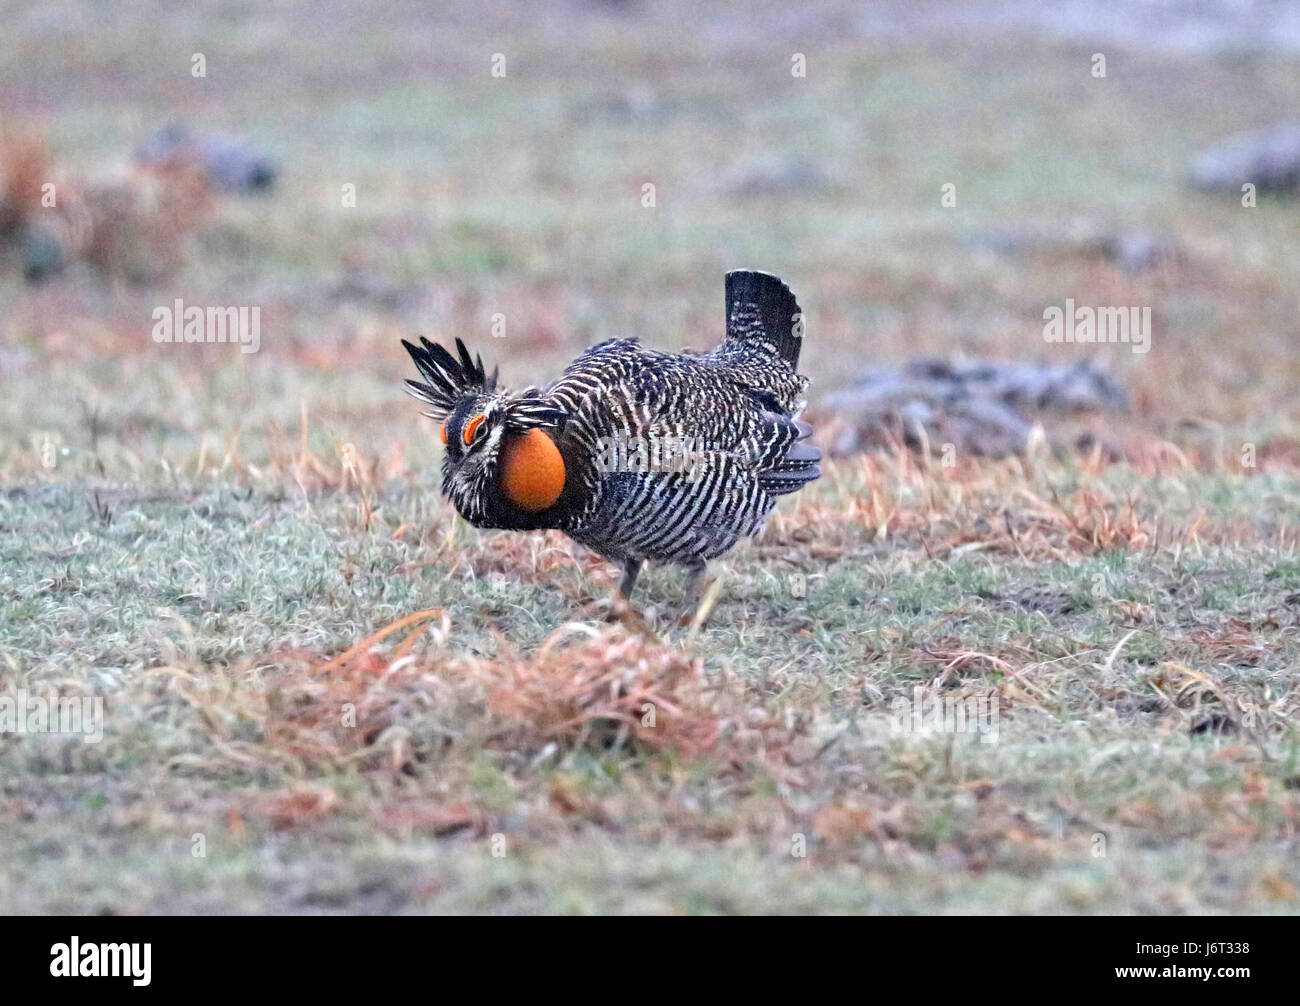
(501, 465)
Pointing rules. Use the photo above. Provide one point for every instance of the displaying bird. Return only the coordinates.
(636, 453)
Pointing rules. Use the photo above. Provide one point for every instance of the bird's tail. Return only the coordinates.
(762, 316)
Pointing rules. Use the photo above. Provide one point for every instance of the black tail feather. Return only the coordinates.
(762, 312)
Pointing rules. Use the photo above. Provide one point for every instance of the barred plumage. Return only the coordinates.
(561, 456)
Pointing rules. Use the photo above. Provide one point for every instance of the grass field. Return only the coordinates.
(326, 693)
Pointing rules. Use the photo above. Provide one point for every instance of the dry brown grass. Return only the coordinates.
(25, 166)
(991, 506)
(138, 222)
(584, 688)
(131, 222)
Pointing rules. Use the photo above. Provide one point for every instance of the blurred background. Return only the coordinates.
(499, 156)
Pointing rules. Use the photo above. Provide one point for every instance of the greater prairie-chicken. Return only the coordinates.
(636, 453)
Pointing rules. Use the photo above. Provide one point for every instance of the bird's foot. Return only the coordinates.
(606, 609)
(701, 596)
(616, 609)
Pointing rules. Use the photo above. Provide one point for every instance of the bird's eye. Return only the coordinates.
(444, 431)
(471, 428)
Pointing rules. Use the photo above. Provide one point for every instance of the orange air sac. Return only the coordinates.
(532, 471)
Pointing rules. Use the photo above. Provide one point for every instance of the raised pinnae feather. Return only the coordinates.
(446, 379)
(466, 361)
(422, 391)
(437, 365)
(434, 362)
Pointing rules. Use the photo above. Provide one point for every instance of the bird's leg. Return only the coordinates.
(694, 590)
(695, 582)
(631, 567)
